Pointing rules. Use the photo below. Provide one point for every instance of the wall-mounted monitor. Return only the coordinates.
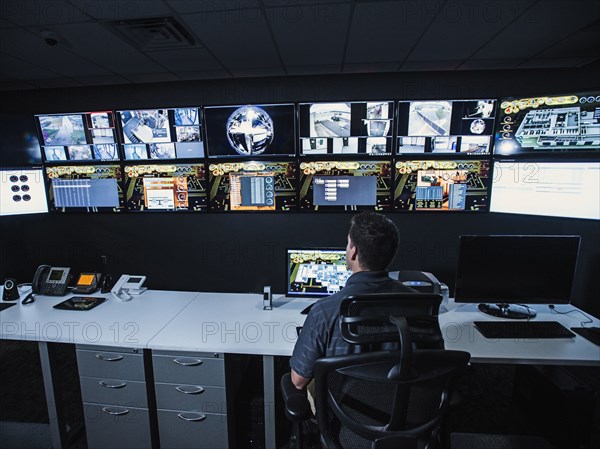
(364, 128)
(22, 191)
(445, 127)
(345, 185)
(19, 144)
(161, 134)
(253, 185)
(442, 185)
(78, 137)
(556, 189)
(250, 131)
(561, 124)
(175, 187)
(85, 188)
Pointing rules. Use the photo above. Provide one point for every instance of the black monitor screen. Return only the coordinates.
(250, 131)
(345, 185)
(442, 127)
(253, 185)
(316, 272)
(165, 187)
(566, 123)
(19, 144)
(85, 188)
(442, 185)
(364, 127)
(529, 269)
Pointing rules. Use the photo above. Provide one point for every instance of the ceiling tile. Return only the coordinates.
(41, 12)
(5, 24)
(203, 75)
(321, 28)
(193, 59)
(104, 80)
(371, 67)
(236, 42)
(414, 66)
(580, 44)
(258, 71)
(16, 85)
(314, 69)
(490, 64)
(195, 6)
(56, 83)
(122, 9)
(386, 31)
(542, 63)
(294, 3)
(153, 77)
(14, 67)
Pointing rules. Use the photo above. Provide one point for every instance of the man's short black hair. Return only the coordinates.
(376, 239)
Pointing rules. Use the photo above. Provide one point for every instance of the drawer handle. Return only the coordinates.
(114, 412)
(108, 385)
(108, 358)
(188, 362)
(191, 416)
(190, 389)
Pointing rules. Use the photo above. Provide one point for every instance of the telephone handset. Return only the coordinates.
(128, 285)
(49, 281)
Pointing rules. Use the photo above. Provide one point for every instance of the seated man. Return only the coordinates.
(372, 244)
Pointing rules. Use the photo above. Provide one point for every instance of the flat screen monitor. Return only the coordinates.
(250, 131)
(253, 185)
(360, 127)
(85, 188)
(19, 144)
(445, 127)
(176, 187)
(86, 137)
(331, 185)
(553, 189)
(559, 124)
(161, 134)
(314, 272)
(442, 185)
(22, 191)
(503, 271)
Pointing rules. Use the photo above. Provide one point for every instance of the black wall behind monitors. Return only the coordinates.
(446, 127)
(442, 185)
(170, 187)
(19, 144)
(561, 125)
(22, 191)
(85, 188)
(250, 131)
(331, 185)
(253, 185)
(568, 189)
(346, 128)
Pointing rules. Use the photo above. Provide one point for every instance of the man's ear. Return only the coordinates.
(353, 252)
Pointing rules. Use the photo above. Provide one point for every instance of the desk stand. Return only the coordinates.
(55, 412)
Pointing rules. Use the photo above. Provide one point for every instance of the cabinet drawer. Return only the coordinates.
(189, 369)
(192, 430)
(108, 426)
(114, 391)
(190, 397)
(109, 364)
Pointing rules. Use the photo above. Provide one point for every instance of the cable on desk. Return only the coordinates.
(582, 324)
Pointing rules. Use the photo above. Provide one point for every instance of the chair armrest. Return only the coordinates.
(297, 407)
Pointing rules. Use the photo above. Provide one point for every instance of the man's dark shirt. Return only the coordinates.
(320, 336)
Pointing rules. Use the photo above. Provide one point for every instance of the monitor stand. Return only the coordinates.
(504, 310)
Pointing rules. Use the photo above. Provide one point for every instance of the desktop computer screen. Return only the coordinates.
(313, 272)
(19, 144)
(22, 191)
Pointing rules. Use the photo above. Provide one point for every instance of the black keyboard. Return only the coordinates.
(523, 329)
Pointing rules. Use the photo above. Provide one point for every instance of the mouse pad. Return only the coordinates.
(5, 306)
(591, 335)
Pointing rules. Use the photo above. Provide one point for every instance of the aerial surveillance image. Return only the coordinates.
(429, 118)
(250, 130)
(330, 120)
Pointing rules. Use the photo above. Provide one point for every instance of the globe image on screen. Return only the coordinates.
(250, 130)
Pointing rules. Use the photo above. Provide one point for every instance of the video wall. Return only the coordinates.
(417, 156)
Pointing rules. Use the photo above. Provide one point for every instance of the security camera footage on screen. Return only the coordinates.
(534, 125)
(316, 272)
(345, 185)
(346, 128)
(85, 188)
(250, 131)
(22, 192)
(253, 185)
(81, 137)
(175, 187)
(442, 127)
(442, 185)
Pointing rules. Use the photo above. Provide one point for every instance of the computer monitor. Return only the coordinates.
(315, 272)
(569, 189)
(19, 144)
(506, 273)
(22, 191)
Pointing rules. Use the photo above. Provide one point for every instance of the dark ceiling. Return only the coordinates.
(101, 42)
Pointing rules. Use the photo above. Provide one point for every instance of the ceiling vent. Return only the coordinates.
(154, 34)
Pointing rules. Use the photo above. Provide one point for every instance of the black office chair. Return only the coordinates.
(387, 398)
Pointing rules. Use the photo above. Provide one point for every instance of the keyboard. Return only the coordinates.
(523, 329)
